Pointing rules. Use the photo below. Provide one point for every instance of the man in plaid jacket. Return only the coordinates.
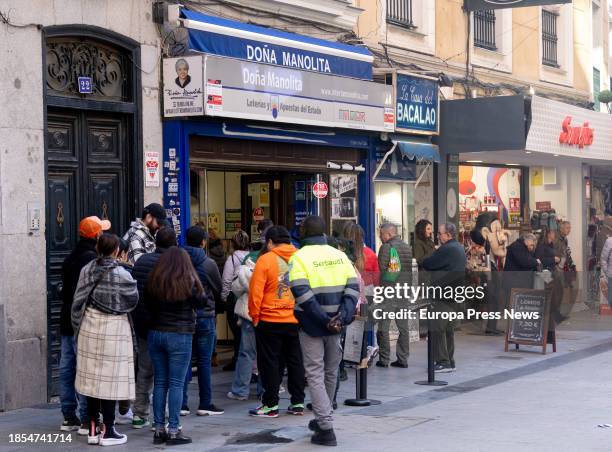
(141, 235)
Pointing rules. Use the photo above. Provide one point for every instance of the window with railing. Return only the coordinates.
(484, 29)
(549, 38)
(399, 12)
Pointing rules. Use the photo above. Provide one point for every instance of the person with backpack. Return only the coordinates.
(271, 306)
(240, 246)
(395, 264)
(105, 294)
(205, 333)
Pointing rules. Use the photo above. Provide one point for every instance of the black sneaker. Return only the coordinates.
(381, 364)
(70, 424)
(400, 365)
(313, 426)
(111, 437)
(443, 368)
(212, 410)
(324, 438)
(160, 437)
(176, 439)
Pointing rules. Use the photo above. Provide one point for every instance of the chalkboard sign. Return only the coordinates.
(527, 315)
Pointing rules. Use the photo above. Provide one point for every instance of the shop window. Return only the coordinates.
(399, 12)
(484, 29)
(395, 204)
(549, 38)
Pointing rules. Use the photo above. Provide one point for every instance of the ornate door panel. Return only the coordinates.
(87, 171)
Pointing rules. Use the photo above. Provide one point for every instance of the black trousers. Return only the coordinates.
(232, 321)
(106, 407)
(276, 342)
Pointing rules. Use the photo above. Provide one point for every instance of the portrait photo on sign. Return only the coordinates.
(183, 88)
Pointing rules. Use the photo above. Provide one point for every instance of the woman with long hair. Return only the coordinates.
(105, 294)
(172, 294)
(423, 245)
(366, 261)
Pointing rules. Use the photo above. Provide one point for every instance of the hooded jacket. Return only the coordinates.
(324, 283)
(83, 254)
(208, 272)
(270, 298)
(240, 289)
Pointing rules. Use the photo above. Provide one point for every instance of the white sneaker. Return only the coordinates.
(185, 412)
(112, 437)
(124, 419)
(231, 395)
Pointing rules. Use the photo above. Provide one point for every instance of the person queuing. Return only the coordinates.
(248, 348)
(164, 239)
(141, 235)
(423, 245)
(105, 294)
(520, 263)
(366, 261)
(240, 246)
(90, 229)
(545, 253)
(447, 268)
(325, 288)
(205, 332)
(172, 294)
(567, 267)
(271, 306)
(395, 264)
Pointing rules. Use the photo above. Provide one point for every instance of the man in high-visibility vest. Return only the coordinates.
(326, 290)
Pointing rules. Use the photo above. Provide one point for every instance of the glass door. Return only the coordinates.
(395, 204)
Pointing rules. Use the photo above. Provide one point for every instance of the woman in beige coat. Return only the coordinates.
(105, 294)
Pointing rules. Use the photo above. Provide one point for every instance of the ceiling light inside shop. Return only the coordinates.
(513, 164)
(474, 161)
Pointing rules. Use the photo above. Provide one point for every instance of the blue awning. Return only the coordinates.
(421, 151)
(210, 34)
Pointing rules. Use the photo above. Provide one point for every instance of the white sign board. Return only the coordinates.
(183, 89)
(151, 169)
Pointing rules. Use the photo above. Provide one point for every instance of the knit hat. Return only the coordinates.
(91, 227)
(278, 235)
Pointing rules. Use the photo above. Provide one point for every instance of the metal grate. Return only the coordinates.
(484, 29)
(549, 38)
(399, 12)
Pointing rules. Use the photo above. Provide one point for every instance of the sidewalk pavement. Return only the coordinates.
(495, 401)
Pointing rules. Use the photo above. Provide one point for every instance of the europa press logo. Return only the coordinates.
(274, 106)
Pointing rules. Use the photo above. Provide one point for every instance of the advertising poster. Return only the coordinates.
(183, 88)
(152, 169)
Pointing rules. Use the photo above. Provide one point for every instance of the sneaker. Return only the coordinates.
(83, 429)
(140, 422)
(111, 437)
(231, 395)
(210, 411)
(313, 426)
(281, 389)
(93, 433)
(443, 368)
(185, 411)
(324, 438)
(264, 411)
(176, 439)
(400, 365)
(70, 425)
(381, 364)
(125, 419)
(160, 437)
(296, 409)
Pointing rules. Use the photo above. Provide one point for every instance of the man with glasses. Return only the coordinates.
(447, 265)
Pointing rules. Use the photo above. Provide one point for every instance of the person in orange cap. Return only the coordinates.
(90, 228)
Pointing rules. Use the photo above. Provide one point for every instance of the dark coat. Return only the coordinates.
(422, 249)
(143, 267)
(217, 253)
(519, 267)
(546, 253)
(405, 257)
(209, 277)
(447, 265)
(83, 254)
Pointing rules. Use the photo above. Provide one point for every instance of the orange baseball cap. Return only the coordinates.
(90, 227)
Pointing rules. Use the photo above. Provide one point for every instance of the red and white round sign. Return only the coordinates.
(258, 214)
(319, 190)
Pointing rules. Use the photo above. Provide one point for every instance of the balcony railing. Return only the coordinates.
(399, 12)
(549, 38)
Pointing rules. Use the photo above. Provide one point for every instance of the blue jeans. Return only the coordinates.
(170, 354)
(246, 358)
(204, 345)
(67, 374)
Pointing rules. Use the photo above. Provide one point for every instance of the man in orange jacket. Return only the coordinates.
(271, 305)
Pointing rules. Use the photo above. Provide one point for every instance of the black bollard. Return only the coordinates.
(431, 375)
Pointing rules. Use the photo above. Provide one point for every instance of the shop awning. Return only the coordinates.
(419, 151)
(230, 38)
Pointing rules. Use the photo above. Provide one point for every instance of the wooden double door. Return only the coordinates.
(89, 161)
